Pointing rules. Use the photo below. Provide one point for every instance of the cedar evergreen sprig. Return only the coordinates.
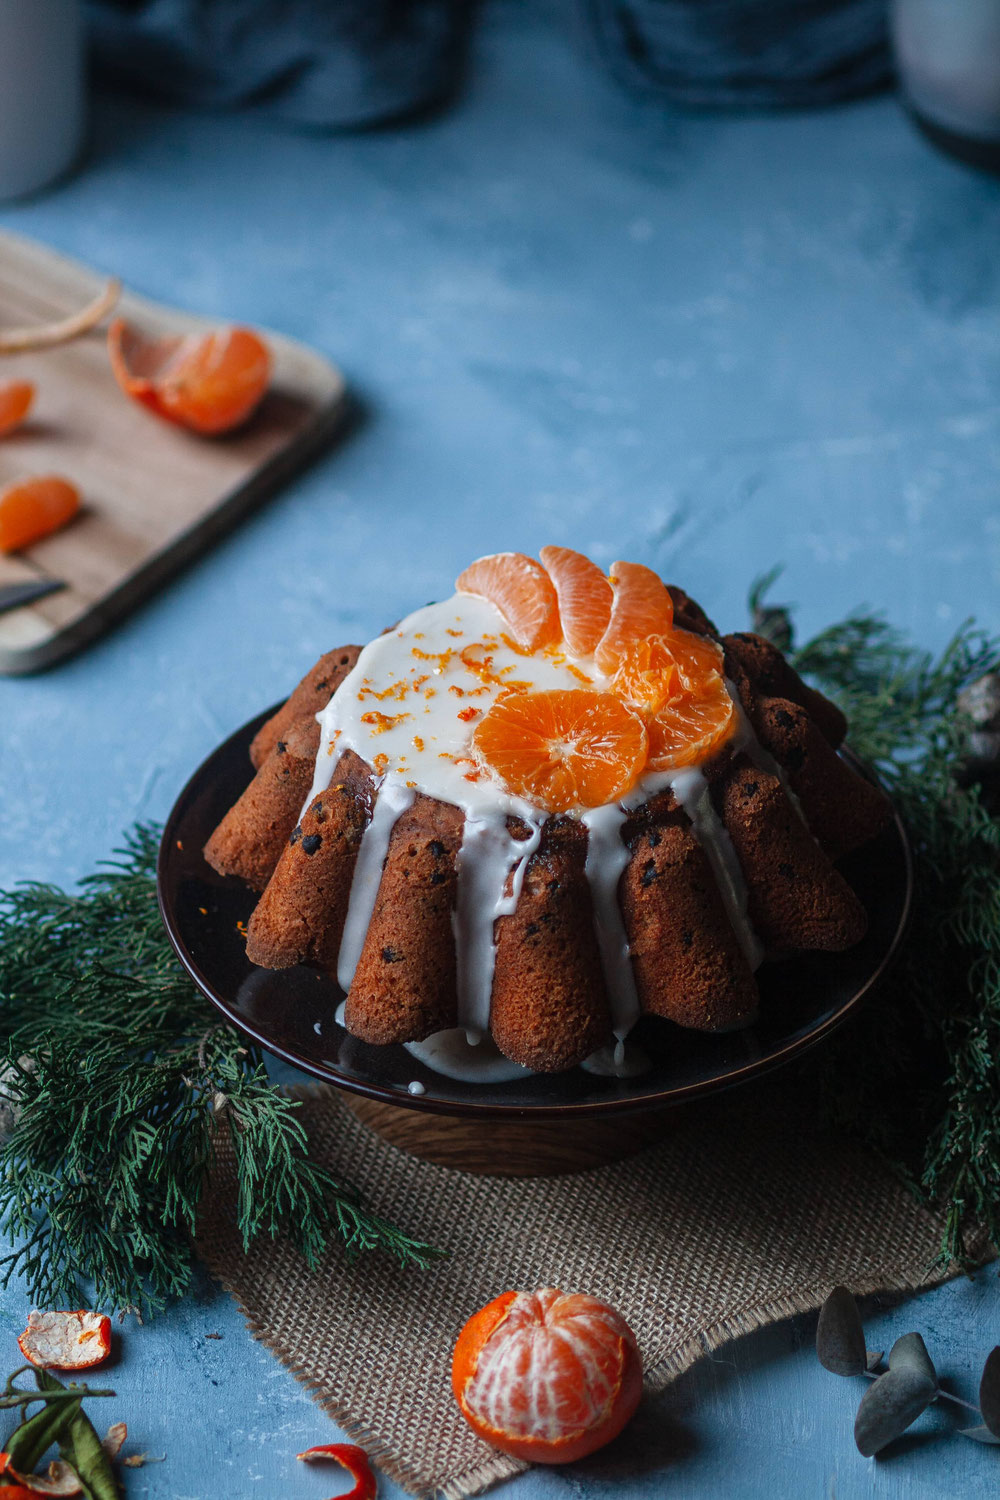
(915, 1075)
(117, 1082)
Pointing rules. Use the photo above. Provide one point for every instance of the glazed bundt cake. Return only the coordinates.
(552, 803)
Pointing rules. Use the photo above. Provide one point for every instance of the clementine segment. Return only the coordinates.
(584, 597)
(547, 1376)
(16, 397)
(562, 749)
(690, 727)
(641, 607)
(32, 508)
(209, 382)
(521, 590)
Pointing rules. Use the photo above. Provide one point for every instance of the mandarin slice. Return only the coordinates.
(521, 590)
(584, 596)
(547, 1376)
(209, 382)
(563, 749)
(648, 675)
(641, 607)
(16, 397)
(32, 508)
(691, 726)
(698, 657)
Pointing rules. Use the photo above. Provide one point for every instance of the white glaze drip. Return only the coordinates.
(451, 1054)
(623, 1060)
(607, 857)
(692, 792)
(487, 856)
(391, 802)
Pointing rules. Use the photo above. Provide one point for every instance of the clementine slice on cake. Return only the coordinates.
(584, 597)
(563, 749)
(690, 727)
(547, 1376)
(641, 607)
(521, 590)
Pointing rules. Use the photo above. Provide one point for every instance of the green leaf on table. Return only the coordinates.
(889, 1406)
(989, 1392)
(840, 1338)
(910, 1353)
(979, 1435)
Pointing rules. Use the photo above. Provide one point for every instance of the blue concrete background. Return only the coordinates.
(707, 343)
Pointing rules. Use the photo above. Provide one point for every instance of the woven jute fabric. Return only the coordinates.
(741, 1216)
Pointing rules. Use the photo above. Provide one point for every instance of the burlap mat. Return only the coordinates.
(742, 1216)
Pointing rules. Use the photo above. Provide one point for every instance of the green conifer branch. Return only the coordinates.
(120, 1081)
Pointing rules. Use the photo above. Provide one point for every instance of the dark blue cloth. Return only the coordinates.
(332, 63)
(746, 53)
(344, 63)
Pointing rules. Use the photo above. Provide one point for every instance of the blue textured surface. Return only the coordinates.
(706, 343)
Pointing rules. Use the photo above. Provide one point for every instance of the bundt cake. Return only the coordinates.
(552, 803)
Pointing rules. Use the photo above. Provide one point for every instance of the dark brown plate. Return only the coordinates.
(290, 1012)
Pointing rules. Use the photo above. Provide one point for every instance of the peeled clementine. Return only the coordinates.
(209, 382)
(547, 1376)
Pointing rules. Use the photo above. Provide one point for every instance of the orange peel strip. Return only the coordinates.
(353, 1459)
(46, 335)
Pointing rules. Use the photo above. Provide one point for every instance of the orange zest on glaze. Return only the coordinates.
(564, 749)
(210, 382)
(521, 590)
(35, 507)
(16, 397)
(381, 722)
(545, 1376)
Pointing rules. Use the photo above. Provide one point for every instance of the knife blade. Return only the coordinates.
(14, 595)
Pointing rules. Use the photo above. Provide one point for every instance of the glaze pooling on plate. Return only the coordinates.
(409, 709)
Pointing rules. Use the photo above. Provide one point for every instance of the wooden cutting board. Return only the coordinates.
(154, 495)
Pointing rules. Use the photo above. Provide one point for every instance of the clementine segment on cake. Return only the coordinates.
(547, 1376)
(564, 749)
(521, 590)
(209, 382)
(584, 596)
(641, 607)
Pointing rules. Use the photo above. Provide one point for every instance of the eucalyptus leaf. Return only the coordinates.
(979, 1435)
(840, 1338)
(889, 1406)
(989, 1392)
(873, 1358)
(910, 1353)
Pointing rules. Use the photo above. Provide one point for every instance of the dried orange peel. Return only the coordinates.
(33, 507)
(16, 399)
(210, 382)
(353, 1459)
(75, 1340)
(547, 1376)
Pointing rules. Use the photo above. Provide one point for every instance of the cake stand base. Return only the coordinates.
(512, 1148)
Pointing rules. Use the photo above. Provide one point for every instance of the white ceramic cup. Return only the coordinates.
(948, 53)
(42, 61)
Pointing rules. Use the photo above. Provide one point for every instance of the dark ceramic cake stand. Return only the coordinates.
(543, 1122)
